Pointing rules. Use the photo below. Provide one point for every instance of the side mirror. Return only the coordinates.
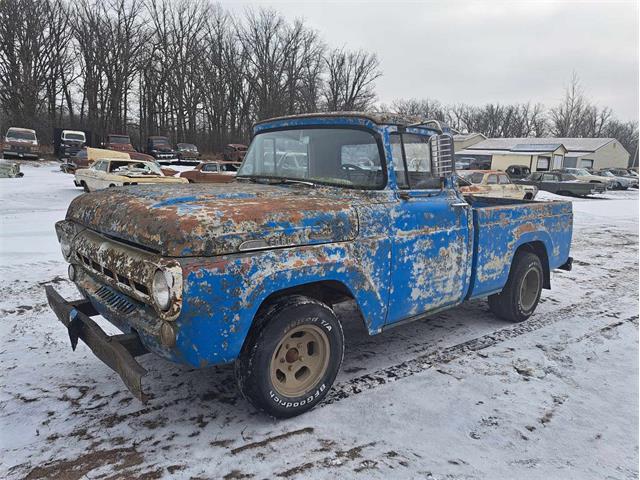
(442, 155)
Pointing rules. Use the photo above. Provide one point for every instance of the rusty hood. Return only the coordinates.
(207, 220)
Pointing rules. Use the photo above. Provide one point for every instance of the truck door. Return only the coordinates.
(431, 259)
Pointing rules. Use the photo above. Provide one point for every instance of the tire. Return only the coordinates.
(520, 296)
(84, 186)
(279, 378)
(528, 196)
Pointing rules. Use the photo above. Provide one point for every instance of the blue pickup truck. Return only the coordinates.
(325, 208)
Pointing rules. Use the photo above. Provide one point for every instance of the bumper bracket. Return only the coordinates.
(117, 351)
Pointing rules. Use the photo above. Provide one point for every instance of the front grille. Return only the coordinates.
(118, 277)
(115, 300)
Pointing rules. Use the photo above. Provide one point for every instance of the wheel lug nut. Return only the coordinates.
(290, 368)
(299, 345)
(301, 359)
(282, 360)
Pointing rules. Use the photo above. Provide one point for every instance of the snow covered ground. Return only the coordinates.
(461, 395)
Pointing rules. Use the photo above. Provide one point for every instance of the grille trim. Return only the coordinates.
(115, 300)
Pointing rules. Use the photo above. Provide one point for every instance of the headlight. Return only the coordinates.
(65, 246)
(161, 291)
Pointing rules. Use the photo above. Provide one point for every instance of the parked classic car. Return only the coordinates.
(585, 175)
(212, 172)
(160, 148)
(85, 157)
(249, 272)
(118, 142)
(20, 143)
(188, 153)
(562, 184)
(234, 152)
(493, 183)
(618, 182)
(517, 172)
(115, 172)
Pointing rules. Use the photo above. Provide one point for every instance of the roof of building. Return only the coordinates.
(525, 153)
(571, 144)
(461, 137)
(536, 147)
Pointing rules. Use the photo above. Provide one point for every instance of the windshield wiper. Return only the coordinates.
(275, 181)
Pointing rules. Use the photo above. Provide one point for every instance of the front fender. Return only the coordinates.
(222, 294)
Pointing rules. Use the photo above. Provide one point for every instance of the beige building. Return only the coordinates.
(548, 153)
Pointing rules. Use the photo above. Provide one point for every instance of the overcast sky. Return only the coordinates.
(486, 51)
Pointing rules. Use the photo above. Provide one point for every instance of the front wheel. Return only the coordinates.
(85, 187)
(520, 296)
(291, 357)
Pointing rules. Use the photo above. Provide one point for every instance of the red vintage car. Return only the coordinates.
(212, 172)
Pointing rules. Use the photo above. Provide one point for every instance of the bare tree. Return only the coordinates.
(350, 80)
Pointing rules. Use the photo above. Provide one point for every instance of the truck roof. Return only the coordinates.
(382, 118)
(79, 132)
(20, 129)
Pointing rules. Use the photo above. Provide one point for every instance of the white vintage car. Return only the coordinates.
(493, 183)
(115, 172)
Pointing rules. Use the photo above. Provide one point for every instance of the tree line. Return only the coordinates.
(183, 68)
(574, 116)
(191, 70)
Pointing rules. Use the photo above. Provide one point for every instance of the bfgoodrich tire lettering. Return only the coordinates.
(264, 365)
(520, 296)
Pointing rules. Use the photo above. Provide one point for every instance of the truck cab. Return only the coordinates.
(119, 142)
(21, 143)
(325, 208)
(71, 142)
(160, 148)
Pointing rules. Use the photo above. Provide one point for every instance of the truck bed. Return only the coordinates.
(501, 226)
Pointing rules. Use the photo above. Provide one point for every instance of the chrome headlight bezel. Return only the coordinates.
(161, 289)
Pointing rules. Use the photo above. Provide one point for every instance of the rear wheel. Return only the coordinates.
(291, 357)
(528, 196)
(520, 296)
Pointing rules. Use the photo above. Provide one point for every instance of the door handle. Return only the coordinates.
(459, 204)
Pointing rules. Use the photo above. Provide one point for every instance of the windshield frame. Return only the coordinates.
(376, 136)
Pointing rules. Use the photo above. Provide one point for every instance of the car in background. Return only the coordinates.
(517, 172)
(87, 156)
(71, 142)
(20, 143)
(188, 153)
(234, 152)
(584, 174)
(493, 183)
(160, 148)
(119, 142)
(115, 172)
(10, 169)
(625, 173)
(212, 172)
(618, 183)
(562, 184)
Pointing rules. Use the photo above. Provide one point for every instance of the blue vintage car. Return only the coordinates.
(325, 208)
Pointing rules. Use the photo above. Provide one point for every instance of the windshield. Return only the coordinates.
(336, 156)
(606, 174)
(579, 171)
(472, 177)
(159, 141)
(21, 135)
(74, 136)
(135, 167)
(187, 146)
(119, 139)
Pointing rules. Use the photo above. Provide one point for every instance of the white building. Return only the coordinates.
(548, 153)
